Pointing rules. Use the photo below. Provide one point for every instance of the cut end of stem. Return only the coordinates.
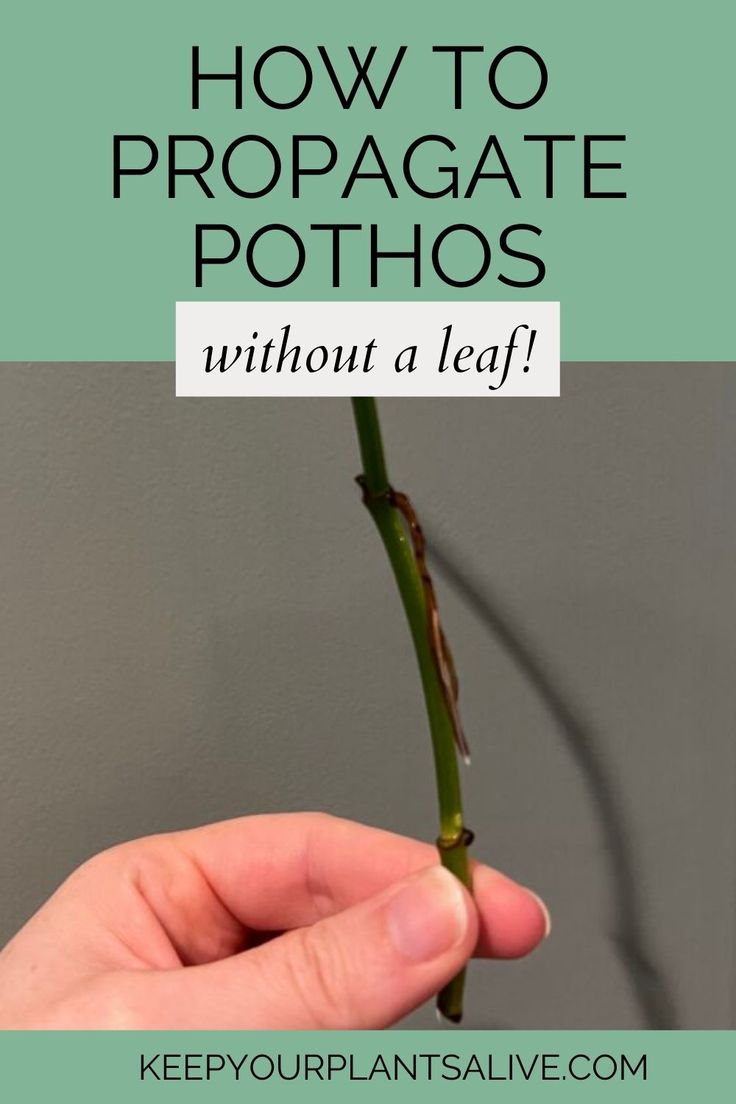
(447, 1021)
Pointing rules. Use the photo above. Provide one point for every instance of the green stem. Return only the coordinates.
(452, 841)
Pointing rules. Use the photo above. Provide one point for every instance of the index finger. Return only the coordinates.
(276, 872)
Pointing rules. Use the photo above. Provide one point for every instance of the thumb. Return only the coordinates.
(365, 967)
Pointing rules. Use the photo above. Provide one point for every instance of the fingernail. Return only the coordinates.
(543, 909)
(428, 916)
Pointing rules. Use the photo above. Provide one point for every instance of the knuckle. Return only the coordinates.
(119, 1004)
(107, 1002)
(319, 974)
(319, 824)
(100, 868)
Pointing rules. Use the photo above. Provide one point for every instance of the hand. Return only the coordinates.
(182, 931)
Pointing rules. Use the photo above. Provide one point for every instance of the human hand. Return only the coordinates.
(179, 931)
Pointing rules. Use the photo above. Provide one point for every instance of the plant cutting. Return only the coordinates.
(403, 539)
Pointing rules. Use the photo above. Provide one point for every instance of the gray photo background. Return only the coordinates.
(199, 622)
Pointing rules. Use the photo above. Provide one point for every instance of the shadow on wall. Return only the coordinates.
(650, 986)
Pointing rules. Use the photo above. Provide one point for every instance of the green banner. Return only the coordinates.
(413, 1065)
(571, 152)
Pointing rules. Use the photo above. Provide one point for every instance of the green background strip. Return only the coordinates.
(88, 1066)
(86, 277)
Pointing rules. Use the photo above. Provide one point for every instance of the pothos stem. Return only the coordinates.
(417, 598)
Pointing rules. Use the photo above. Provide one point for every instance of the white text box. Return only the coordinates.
(448, 349)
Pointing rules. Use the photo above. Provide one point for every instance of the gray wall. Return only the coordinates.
(198, 622)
